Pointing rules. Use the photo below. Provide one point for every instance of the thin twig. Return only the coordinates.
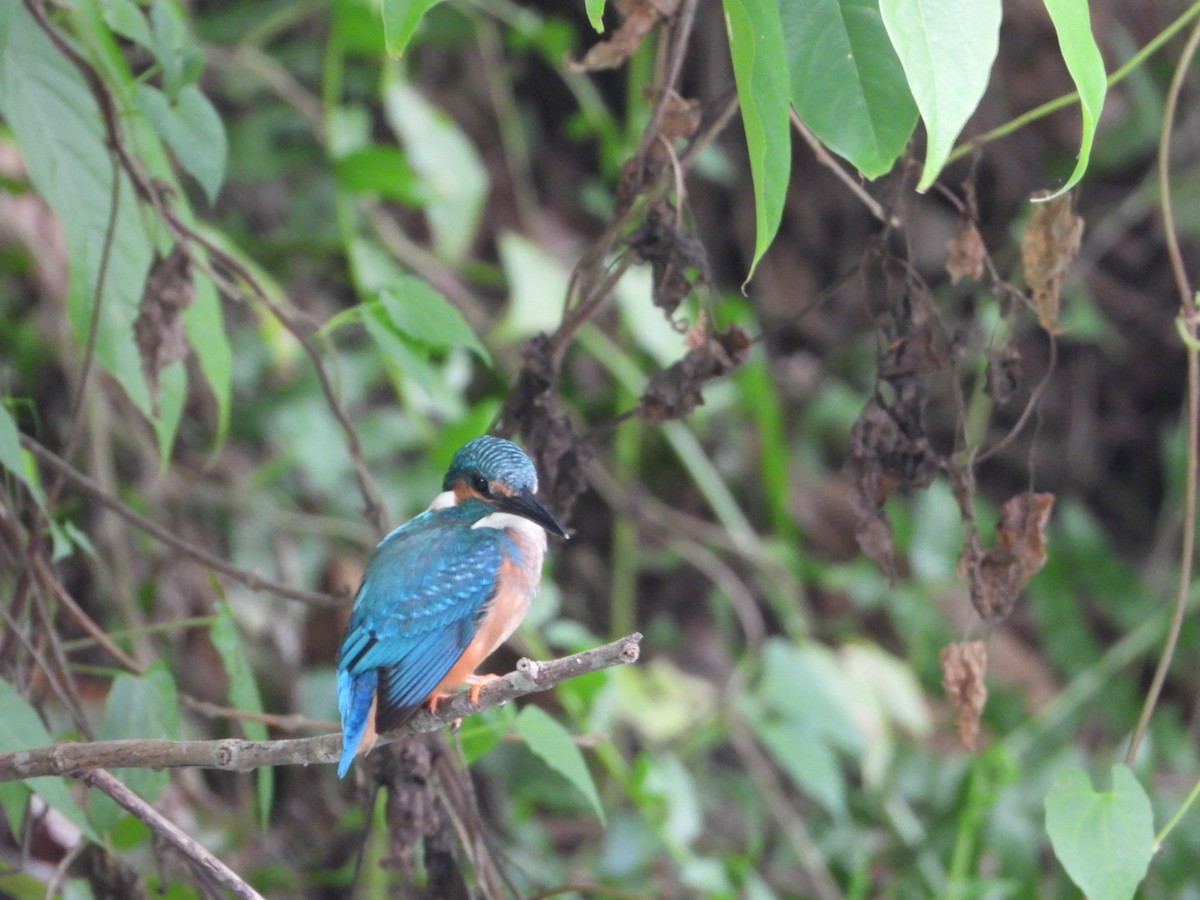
(679, 35)
(1188, 316)
(252, 580)
(204, 862)
(825, 158)
(240, 755)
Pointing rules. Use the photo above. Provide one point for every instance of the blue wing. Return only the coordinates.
(419, 605)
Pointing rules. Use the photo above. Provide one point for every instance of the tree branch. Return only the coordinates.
(201, 860)
(252, 580)
(237, 755)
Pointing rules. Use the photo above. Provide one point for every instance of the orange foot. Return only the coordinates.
(477, 682)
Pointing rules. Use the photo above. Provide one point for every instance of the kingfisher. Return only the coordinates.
(441, 592)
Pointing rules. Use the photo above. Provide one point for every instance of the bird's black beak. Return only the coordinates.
(527, 507)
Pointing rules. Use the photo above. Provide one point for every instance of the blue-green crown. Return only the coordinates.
(495, 459)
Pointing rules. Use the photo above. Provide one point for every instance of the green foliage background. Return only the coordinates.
(410, 223)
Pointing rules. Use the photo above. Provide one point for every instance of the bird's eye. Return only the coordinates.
(480, 484)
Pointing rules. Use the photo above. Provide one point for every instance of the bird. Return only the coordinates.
(441, 592)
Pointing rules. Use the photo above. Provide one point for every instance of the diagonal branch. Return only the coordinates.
(252, 580)
(236, 755)
(204, 862)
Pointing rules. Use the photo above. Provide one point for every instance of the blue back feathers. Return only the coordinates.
(424, 593)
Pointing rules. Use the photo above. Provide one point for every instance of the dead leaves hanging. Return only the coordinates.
(998, 576)
(1050, 242)
(964, 665)
(159, 328)
(638, 18)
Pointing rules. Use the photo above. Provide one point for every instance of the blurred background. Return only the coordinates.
(785, 733)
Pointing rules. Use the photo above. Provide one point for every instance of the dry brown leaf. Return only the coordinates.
(159, 328)
(965, 254)
(1049, 244)
(675, 391)
(964, 665)
(998, 576)
(640, 16)
(677, 259)
(1022, 529)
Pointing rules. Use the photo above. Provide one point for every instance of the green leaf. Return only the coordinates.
(552, 743)
(420, 311)
(847, 82)
(595, 14)
(205, 326)
(193, 130)
(56, 123)
(181, 60)
(947, 48)
(1073, 23)
(11, 457)
(760, 69)
(808, 760)
(138, 707)
(1104, 839)
(243, 694)
(380, 170)
(23, 730)
(400, 21)
(448, 165)
(126, 18)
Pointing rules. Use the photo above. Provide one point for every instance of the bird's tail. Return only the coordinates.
(356, 694)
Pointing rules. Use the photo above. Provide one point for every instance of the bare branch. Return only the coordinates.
(204, 862)
(252, 580)
(236, 755)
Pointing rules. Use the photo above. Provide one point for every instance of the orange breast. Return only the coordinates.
(517, 585)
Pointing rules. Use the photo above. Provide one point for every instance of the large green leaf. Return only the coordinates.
(400, 21)
(243, 693)
(1104, 839)
(193, 130)
(761, 72)
(138, 707)
(23, 730)
(57, 124)
(447, 163)
(947, 48)
(1073, 23)
(380, 170)
(420, 311)
(847, 82)
(552, 743)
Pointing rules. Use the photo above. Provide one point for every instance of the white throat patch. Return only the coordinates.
(444, 500)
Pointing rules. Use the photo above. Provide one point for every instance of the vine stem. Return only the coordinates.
(1040, 112)
(1191, 324)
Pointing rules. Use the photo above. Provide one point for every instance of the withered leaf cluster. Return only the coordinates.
(677, 259)
(675, 391)
(638, 18)
(889, 447)
(965, 254)
(964, 665)
(998, 575)
(159, 328)
(1051, 240)
(533, 409)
